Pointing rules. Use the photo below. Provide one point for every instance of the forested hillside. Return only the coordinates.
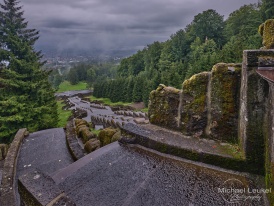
(207, 40)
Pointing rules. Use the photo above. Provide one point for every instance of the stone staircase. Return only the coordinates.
(103, 115)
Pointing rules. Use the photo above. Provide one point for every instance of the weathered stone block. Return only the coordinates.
(163, 106)
(194, 109)
(92, 145)
(223, 102)
(267, 32)
(105, 135)
(116, 136)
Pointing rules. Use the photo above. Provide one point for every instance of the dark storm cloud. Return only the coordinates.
(119, 24)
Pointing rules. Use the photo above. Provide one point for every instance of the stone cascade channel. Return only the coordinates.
(101, 115)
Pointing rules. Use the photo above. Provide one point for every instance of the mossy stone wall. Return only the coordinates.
(224, 102)
(163, 107)
(194, 109)
(267, 32)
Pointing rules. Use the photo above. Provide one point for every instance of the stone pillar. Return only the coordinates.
(194, 104)
(223, 102)
(269, 153)
(253, 110)
(163, 107)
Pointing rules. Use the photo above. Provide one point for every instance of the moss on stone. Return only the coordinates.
(267, 32)
(117, 136)
(224, 97)
(92, 145)
(163, 106)
(106, 135)
(193, 115)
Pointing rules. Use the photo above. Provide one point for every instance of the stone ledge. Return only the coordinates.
(74, 148)
(38, 189)
(7, 190)
(151, 136)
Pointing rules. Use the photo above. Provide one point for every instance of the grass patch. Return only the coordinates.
(62, 114)
(94, 131)
(107, 101)
(144, 110)
(67, 86)
(233, 150)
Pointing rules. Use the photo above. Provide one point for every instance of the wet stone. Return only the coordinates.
(136, 176)
(39, 186)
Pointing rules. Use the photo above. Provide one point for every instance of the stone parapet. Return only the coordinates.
(7, 196)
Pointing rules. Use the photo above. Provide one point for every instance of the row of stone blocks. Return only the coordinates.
(207, 105)
(107, 121)
(131, 113)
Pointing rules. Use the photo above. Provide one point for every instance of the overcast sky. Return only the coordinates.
(86, 25)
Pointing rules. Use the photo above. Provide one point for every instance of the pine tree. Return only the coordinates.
(26, 97)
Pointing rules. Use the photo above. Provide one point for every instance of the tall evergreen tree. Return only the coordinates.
(26, 97)
(267, 9)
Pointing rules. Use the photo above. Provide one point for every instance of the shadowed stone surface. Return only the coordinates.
(133, 175)
(44, 150)
(40, 188)
(1, 169)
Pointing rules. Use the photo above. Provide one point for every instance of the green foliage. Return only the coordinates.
(72, 77)
(26, 97)
(202, 56)
(208, 25)
(241, 33)
(267, 9)
(63, 115)
(207, 40)
(67, 86)
(137, 93)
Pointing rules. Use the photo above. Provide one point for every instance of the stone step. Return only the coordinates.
(193, 148)
(38, 189)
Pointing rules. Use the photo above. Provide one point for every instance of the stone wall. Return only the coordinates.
(207, 105)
